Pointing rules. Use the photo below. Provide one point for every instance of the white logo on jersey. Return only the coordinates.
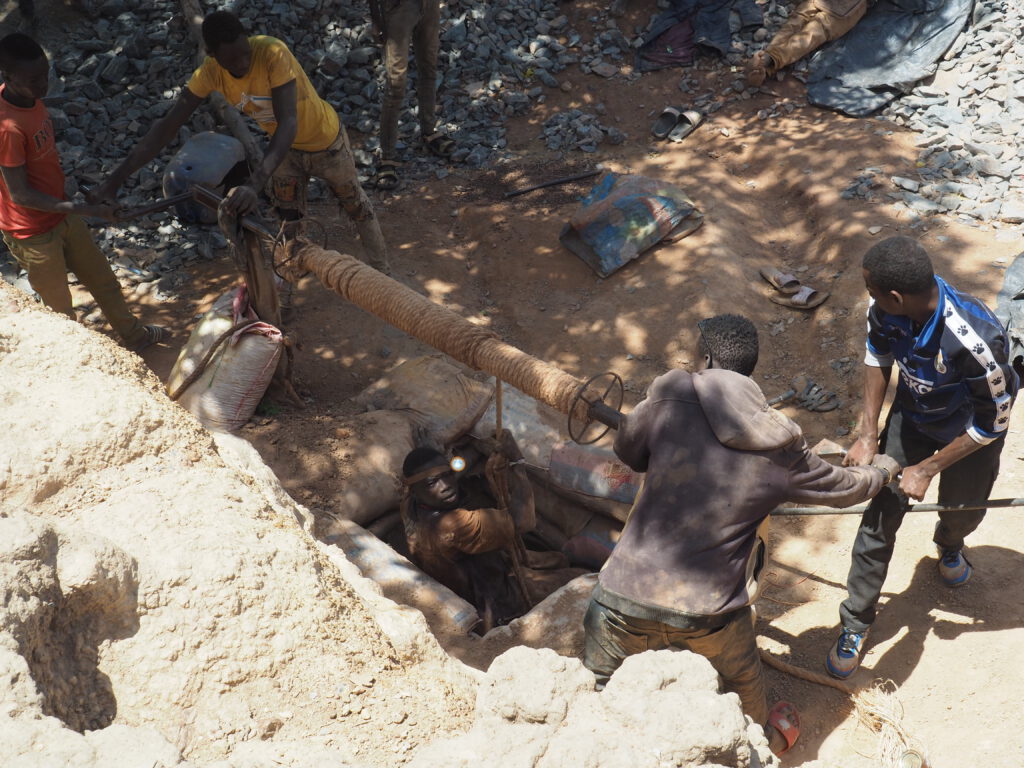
(916, 385)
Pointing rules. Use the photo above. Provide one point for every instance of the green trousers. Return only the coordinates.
(69, 247)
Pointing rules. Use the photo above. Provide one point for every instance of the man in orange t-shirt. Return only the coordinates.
(261, 77)
(39, 226)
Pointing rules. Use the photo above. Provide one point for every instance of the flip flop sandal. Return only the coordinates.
(439, 144)
(154, 335)
(386, 177)
(781, 281)
(819, 400)
(783, 718)
(812, 396)
(666, 122)
(805, 298)
(688, 122)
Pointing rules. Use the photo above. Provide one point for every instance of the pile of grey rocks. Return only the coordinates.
(971, 121)
(121, 66)
(576, 129)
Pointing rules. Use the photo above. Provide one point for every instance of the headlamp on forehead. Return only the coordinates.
(457, 464)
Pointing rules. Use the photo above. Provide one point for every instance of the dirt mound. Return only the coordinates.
(166, 605)
(165, 581)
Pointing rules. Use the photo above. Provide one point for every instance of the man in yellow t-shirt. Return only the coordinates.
(261, 77)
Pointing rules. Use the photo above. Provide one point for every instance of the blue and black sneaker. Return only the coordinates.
(844, 656)
(954, 568)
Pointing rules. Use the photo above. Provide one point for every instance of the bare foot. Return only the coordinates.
(757, 68)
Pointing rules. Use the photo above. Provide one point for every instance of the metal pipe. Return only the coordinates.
(990, 504)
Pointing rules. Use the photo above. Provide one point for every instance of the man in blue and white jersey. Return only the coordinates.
(950, 414)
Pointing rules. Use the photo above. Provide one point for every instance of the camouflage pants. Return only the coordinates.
(336, 166)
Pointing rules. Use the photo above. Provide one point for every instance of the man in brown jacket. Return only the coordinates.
(812, 24)
(685, 572)
(465, 535)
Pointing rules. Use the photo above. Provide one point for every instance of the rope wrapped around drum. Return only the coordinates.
(470, 344)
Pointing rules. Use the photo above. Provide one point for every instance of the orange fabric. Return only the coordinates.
(26, 139)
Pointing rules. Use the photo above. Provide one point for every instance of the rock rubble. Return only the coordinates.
(123, 66)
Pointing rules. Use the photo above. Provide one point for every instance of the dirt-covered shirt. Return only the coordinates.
(718, 460)
(27, 139)
(272, 65)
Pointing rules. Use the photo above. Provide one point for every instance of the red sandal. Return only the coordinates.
(783, 718)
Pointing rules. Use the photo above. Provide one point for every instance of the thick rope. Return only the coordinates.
(804, 674)
(472, 345)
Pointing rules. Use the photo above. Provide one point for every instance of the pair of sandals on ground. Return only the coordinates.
(790, 292)
(386, 177)
(676, 123)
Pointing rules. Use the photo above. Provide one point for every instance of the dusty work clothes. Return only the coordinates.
(967, 483)
(611, 636)
(810, 26)
(69, 246)
(472, 551)
(468, 550)
(272, 65)
(27, 140)
(417, 22)
(718, 461)
(337, 167)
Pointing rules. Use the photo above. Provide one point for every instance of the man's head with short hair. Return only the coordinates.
(227, 42)
(221, 27)
(898, 275)
(899, 264)
(728, 341)
(25, 68)
(430, 478)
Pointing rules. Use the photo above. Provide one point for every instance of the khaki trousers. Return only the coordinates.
(808, 28)
(416, 22)
(337, 167)
(69, 246)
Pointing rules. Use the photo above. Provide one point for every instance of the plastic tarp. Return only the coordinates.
(623, 216)
(672, 38)
(1010, 311)
(896, 44)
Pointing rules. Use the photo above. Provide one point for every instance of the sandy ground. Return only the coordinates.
(770, 193)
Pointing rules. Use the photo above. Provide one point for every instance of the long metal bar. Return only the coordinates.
(211, 199)
(990, 504)
(554, 182)
(158, 205)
